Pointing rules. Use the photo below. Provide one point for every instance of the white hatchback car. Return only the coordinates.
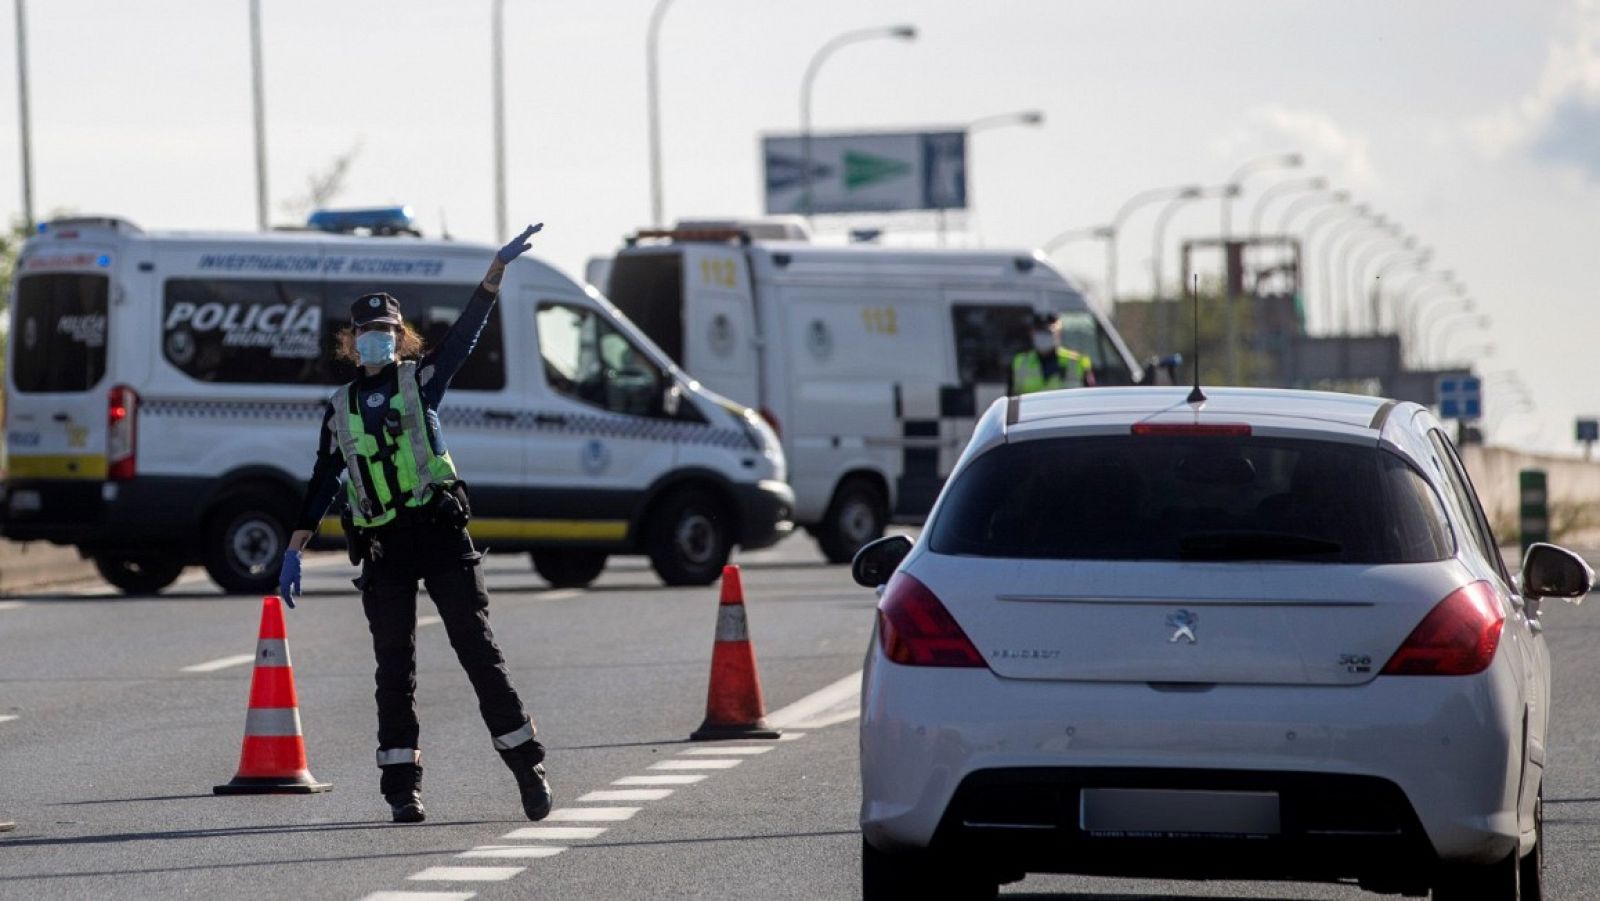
(1263, 636)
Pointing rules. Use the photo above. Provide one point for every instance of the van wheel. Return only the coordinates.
(569, 569)
(244, 544)
(689, 539)
(144, 574)
(857, 515)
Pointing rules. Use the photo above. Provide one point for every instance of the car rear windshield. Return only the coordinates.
(59, 332)
(1210, 498)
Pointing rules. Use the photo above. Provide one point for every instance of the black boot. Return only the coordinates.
(527, 764)
(401, 785)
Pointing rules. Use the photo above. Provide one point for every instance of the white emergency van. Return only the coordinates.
(165, 392)
(871, 362)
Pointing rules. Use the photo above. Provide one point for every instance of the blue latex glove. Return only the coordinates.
(518, 245)
(289, 577)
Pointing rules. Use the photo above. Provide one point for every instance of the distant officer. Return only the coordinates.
(407, 521)
(1048, 365)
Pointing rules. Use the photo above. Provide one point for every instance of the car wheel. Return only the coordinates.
(857, 515)
(244, 544)
(1532, 874)
(569, 568)
(139, 574)
(893, 877)
(689, 539)
(1500, 881)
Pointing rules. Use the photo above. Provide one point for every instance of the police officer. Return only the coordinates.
(406, 520)
(1047, 364)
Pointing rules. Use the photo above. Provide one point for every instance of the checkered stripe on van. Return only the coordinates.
(241, 409)
(597, 425)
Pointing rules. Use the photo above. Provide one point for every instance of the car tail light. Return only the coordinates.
(1238, 429)
(1458, 637)
(122, 413)
(772, 420)
(916, 630)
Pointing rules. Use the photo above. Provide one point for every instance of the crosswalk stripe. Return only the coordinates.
(466, 874)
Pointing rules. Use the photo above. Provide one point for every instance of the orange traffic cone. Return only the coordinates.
(273, 759)
(734, 708)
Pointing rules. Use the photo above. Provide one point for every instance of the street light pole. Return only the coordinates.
(1337, 235)
(22, 115)
(1410, 256)
(258, 103)
(1310, 201)
(1167, 211)
(1031, 118)
(497, 61)
(1449, 326)
(899, 32)
(1115, 229)
(1291, 186)
(1232, 188)
(1357, 272)
(653, 89)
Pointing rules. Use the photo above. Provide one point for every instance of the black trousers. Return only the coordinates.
(445, 561)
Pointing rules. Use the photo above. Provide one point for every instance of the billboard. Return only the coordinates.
(866, 173)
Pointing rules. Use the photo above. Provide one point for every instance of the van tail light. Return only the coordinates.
(916, 630)
(772, 420)
(1458, 637)
(122, 414)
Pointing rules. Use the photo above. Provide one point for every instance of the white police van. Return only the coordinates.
(165, 391)
(873, 363)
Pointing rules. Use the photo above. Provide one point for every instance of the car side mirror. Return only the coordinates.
(876, 560)
(1554, 572)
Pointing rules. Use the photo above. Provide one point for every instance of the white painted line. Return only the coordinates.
(677, 779)
(560, 594)
(466, 874)
(12, 605)
(513, 851)
(829, 705)
(420, 896)
(702, 763)
(211, 666)
(724, 750)
(625, 794)
(429, 620)
(592, 814)
(7, 717)
(554, 833)
(791, 736)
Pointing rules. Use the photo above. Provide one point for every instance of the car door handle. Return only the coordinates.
(549, 419)
(499, 415)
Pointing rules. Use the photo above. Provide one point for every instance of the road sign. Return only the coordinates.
(1589, 430)
(862, 173)
(1460, 397)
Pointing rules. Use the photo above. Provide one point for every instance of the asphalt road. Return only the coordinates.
(109, 750)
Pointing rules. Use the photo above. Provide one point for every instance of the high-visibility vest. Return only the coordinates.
(1027, 372)
(417, 468)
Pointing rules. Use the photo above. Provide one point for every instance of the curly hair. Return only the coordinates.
(407, 345)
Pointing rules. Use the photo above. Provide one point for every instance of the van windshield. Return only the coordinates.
(59, 332)
(1207, 498)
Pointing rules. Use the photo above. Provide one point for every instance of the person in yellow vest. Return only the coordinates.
(406, 521)
(1048, 365)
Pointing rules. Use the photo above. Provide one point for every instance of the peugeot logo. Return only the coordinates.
(1184, 622)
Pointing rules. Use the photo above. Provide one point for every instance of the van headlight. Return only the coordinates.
(766, 441)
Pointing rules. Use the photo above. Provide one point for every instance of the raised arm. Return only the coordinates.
(444, 361)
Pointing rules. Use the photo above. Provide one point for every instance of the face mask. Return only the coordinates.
(1043, 342)
(375, 348)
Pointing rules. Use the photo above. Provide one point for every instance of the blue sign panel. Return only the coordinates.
(1589, 430)
(1460, 397)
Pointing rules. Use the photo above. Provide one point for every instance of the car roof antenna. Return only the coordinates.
(1196, 396)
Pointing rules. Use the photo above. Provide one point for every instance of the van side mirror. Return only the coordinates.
(1554, 572)
(876, 560)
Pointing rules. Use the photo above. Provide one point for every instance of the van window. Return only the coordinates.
(587, 359)
(431, 308)
(1081, 332)
(59, 328)
(245, 330)
(987, 337)
(648, 289)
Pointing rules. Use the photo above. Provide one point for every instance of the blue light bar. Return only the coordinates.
(378, 220)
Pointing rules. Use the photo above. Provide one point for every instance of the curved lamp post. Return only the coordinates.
(895, 32)
(1362, 219)
(1314, 184)
(653, 98)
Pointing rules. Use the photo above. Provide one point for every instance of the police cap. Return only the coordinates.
(370, 309)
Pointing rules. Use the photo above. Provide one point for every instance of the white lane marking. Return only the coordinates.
(12, 605)
(554, 833)
(676, 779)
(466, 874)
(726, 749)
(211, 666)
(513, 851)
(420, 896)
(832, 704)
(429, 620)
(791, 736)
(7, 717)
(625, 794)
(703, 763)
(560, 594)
(592, 814)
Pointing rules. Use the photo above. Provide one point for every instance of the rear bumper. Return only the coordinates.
(1442, 744)
(143, 512)
(766, 512)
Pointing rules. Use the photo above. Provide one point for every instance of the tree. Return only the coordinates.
(322, 186)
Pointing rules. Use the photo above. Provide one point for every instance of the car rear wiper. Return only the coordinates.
(1253, 545)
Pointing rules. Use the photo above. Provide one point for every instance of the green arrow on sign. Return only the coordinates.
(862, 169)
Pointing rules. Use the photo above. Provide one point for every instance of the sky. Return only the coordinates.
(1472, 124)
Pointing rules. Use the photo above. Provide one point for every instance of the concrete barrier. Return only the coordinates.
(1574, 488)
(32, 565)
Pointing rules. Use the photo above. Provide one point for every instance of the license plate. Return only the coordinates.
(1165, 813)
(25, 502)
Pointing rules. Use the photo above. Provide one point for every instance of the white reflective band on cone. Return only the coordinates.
(272, 721)
(731, 624)
(391, 756)
(512, 739)
(272, 652)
